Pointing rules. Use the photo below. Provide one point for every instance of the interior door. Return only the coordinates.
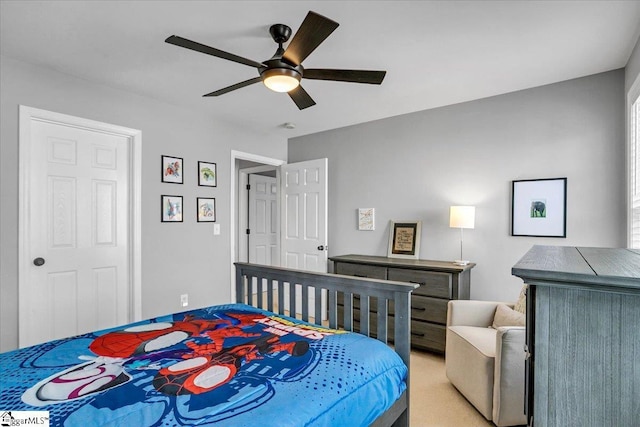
(76, 243)
(263, 220)
(304, 220)
(304, 215)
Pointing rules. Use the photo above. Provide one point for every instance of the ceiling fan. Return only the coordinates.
(284, 70)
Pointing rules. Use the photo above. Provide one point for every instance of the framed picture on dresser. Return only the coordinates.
(404, 239)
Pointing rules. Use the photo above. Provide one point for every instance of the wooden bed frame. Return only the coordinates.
(279, 281)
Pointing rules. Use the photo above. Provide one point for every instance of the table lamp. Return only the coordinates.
(462, 217)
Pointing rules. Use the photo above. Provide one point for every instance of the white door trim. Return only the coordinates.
(233, 233)
(29, 114)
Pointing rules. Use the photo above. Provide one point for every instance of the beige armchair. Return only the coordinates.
(486, 365)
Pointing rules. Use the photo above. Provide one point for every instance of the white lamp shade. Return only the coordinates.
(462, 216)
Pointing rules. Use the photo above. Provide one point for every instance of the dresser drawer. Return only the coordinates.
(432, 283)
(422, 308)
(429, 309)
(428, 336)
(425, 335)
(361, 270)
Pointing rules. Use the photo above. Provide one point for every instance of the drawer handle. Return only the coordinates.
(419, 308)
(417, 334)
(418, 283)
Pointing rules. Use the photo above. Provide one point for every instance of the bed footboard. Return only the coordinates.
(277, 288)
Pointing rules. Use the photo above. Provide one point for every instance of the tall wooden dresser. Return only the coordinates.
(583, 336)
(440, 281)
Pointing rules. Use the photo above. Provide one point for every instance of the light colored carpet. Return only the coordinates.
(434, 401)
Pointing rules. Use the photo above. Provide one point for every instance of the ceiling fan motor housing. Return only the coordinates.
(280, 33)
(277, 63)
(291, 72)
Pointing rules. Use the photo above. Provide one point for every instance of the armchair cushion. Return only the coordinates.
(506, 316)
(521, 303)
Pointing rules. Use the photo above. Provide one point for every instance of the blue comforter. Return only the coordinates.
(229, 365)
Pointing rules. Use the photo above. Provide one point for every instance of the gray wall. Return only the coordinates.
(176, 258)
(632, 70)
(413, 167)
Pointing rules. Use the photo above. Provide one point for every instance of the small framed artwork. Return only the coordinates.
(366, 219)
(206, 209)
(404, 239)
(539, 207)
(172, 169)
(171, 208)
(207, 174)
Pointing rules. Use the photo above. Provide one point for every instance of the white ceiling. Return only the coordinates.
(435, 52)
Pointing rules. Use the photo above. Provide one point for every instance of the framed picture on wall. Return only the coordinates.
(172, 169)
(171, 208)
(404, 239)
(539, 207)
(207, 174)
(366, 219)
(206, 209)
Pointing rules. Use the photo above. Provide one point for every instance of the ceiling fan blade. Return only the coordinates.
(234, 87)
(198, 47)
(313, 31)
(353, 76)
(301, 98)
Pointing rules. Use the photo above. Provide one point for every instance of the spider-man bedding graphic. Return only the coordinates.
(230, 365)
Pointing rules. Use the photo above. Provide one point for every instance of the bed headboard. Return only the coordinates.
(266, 280)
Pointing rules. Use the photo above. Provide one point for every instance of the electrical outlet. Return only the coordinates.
(216, 229)
(184, 300)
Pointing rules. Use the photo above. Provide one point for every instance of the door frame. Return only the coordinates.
(235, 205)
(134, 136)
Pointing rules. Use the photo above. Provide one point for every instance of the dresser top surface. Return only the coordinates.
(598, 266)
(421, 264)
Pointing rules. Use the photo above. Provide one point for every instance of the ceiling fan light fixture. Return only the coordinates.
(284, 70)
(281, 79)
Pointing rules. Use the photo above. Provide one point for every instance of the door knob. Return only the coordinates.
(321, 248)
(38, 262)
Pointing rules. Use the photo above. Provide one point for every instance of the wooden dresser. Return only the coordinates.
(440, 281)
(583, 336)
